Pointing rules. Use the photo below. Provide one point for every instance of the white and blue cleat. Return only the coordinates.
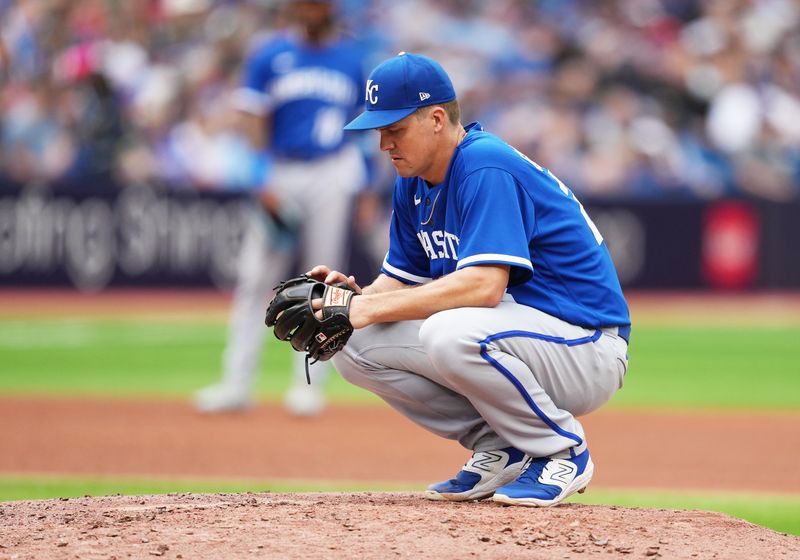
(547, 481)
(481, 476)
(223, 397)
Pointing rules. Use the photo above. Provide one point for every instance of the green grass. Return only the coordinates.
(29, 487)
(101, 357)
(778, 512)
(713, 367)
(687, 367)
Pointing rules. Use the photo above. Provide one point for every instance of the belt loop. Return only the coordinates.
(625, 332)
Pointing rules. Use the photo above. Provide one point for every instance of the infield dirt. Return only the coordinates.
(367, 525)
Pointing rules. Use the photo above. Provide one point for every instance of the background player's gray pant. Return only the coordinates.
(321, 192)
(490, 377)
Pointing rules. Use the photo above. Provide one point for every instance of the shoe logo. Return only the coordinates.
(417, 200)
(558, 473)
(423, 95)
(485, 461)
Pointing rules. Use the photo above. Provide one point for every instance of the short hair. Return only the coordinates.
(451, 108)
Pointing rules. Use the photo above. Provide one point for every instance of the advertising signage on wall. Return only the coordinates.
(140, 236)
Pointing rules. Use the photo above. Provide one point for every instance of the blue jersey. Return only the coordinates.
(309, 91)
(496, 206)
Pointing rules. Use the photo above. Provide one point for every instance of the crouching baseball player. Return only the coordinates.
(497, 318)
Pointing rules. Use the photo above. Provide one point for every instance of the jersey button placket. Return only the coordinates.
(429, 220)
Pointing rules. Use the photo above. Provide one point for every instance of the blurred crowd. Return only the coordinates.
(621, 98)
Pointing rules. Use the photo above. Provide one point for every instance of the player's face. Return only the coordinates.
(314, 16)
(410, 144)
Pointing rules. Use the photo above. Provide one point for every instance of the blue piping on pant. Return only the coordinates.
(518, 384)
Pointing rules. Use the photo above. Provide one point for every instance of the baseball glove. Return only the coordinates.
(294, 320)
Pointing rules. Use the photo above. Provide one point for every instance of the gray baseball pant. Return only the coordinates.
(490, 377)
(322, 191)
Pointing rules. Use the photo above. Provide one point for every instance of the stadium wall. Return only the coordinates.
(92, 238)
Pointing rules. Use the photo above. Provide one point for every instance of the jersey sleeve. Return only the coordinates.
(251, 96)
(406, 260)
(497, 218)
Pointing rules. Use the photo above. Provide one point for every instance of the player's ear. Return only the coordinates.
(439, 116)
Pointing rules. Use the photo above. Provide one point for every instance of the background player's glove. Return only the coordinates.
(293, 318)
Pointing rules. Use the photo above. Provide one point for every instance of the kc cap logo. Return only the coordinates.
(407, 81)
(372, 92)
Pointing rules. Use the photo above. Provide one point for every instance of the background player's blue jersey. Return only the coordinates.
(497, 206)
(309, 91)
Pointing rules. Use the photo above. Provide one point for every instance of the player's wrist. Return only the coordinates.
(360, 311)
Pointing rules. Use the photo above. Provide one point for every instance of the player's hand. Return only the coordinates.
(271, 202)
(285, 214)
(324, 274)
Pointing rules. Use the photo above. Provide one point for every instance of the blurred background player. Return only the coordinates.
(298, 90)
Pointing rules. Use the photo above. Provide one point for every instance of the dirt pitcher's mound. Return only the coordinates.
(367, 525)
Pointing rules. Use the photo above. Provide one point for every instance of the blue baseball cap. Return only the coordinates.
(398, 87)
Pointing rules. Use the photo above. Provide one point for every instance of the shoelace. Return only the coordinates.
(533, 471)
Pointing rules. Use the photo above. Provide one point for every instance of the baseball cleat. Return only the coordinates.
(304, 400)
(478, 479)
(222, 398)
(548, 481)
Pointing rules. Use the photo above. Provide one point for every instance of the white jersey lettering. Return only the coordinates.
(452, 241)
(327, 85)
(425, 240)
(438, 239)
(439, 244)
